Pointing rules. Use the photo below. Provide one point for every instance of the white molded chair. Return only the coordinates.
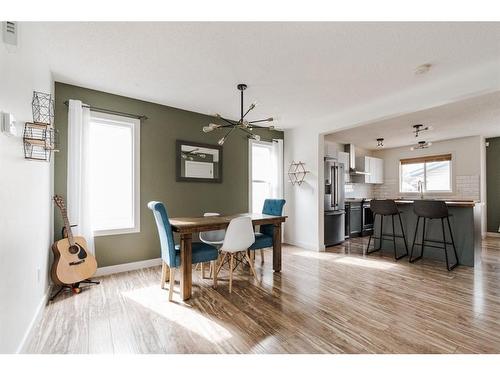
(239, 237)
(213, 237)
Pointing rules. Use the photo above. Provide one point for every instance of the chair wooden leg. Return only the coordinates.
(252, 267)
(220, 265)
(203, 270)
(213, 266)
(171, 284)
(231, 272)
(262, 256)
(163, 274)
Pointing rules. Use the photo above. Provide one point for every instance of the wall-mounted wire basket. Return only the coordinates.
(42, 106)
(39, 140)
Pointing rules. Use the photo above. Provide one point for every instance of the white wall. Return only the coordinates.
(466, 167)
(302, 226)
(25, 195)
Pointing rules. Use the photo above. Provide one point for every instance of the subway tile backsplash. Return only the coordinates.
(466, 187)
(353, 190)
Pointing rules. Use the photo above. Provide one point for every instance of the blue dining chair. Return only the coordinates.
(264, 238)
(170, 252)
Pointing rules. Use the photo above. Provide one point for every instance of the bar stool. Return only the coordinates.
(386, 207)
(428, 209)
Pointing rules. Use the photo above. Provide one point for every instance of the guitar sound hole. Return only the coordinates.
(74, 249)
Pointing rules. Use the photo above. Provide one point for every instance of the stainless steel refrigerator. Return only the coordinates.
(334, 202)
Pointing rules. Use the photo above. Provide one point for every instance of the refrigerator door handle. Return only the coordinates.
(336, 187)
(334, 193)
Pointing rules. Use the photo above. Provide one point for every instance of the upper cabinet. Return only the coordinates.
(343, 157)
(375, 168)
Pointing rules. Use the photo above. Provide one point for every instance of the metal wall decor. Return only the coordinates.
(242, 124)
(42, 106)
(39, 136)
(297, 172)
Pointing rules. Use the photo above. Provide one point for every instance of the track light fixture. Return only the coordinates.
(421, 145)
(418, 128)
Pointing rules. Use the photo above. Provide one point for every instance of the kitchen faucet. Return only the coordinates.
(420, 187)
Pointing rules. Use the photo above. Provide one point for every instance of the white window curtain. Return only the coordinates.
(277, 173)
(78, 194)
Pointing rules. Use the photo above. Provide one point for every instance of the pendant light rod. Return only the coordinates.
(241, 118)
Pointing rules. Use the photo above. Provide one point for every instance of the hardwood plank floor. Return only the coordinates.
(338, 301)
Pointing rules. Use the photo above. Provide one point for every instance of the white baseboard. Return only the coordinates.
(492, 234)
(103, 271)
(304, 245)
(36, 318)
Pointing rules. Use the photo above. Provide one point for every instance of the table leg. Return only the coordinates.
(186, 266)
(277, 247)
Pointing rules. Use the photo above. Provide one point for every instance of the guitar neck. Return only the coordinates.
(67, 226)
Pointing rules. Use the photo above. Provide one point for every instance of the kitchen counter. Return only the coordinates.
(465, 224)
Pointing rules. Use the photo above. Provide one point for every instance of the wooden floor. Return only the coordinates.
(338, 301)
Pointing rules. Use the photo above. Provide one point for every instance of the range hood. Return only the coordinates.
(352, 160)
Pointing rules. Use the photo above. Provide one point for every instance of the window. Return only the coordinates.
(433, 172)
(266, 172)
(114, 174)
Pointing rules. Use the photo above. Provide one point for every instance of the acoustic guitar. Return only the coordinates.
(72, 263)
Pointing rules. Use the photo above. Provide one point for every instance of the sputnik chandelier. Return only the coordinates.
(242, 124)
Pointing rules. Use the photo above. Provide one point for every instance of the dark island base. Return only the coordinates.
(463, 227)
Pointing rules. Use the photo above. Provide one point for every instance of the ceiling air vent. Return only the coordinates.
(9, 32)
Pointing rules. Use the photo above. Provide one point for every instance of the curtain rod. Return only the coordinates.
(111, 112)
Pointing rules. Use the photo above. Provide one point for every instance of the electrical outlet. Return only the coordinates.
(38, 275)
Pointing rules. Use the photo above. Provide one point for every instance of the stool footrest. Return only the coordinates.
(388, 237)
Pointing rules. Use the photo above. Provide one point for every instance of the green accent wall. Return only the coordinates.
(158, 135)
(493, 183)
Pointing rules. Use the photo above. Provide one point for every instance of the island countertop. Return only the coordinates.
(449, 202)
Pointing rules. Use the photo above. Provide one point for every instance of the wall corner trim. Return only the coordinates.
(109, 270)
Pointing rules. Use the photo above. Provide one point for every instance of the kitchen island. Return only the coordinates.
(465, 224)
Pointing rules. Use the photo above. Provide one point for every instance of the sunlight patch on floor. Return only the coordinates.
(315, 255)
(361, 262)
(156, 299)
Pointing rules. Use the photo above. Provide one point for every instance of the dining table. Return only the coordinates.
(187, 226)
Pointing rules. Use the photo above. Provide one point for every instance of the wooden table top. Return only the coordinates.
(200, 224)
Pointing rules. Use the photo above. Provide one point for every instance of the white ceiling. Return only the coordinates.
(297, 72)
(476, 116)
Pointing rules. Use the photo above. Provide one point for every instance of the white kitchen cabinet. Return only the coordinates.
(343, 157)
(375, 168)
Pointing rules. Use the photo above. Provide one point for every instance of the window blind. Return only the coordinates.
(426, 159)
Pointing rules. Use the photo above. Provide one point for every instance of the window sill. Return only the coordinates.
(114, 232)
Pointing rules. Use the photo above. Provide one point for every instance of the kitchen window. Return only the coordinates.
(114, 174)
(433, 172)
